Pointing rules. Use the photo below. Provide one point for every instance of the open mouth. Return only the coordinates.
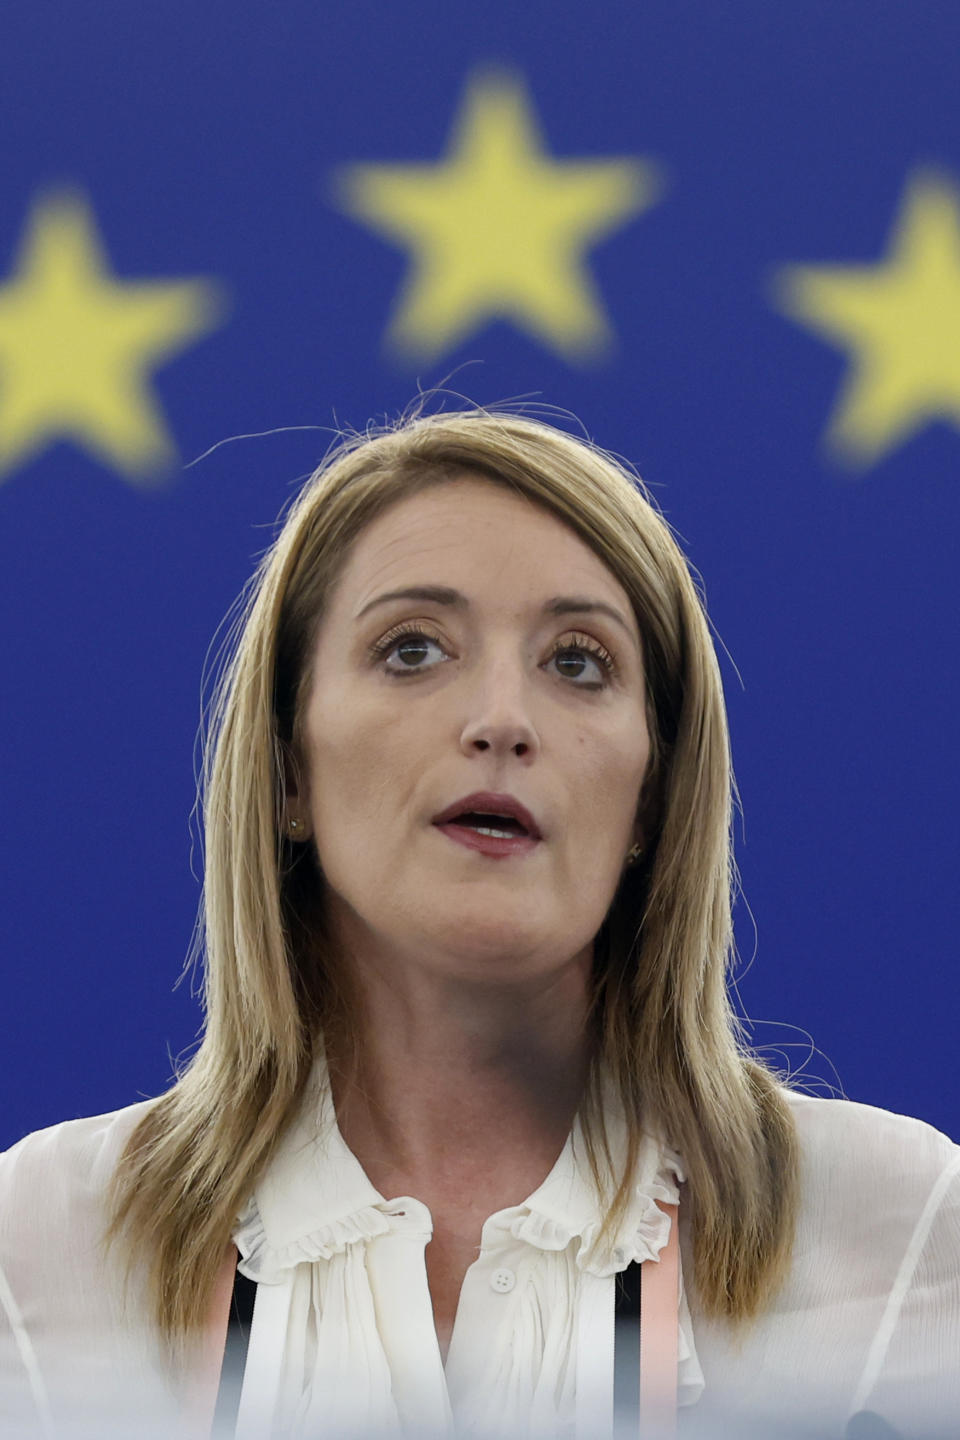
(488, 819)
(502, 827)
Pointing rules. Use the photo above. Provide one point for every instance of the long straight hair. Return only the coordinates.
(667, 1036)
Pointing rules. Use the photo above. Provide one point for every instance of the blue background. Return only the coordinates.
(206, 139)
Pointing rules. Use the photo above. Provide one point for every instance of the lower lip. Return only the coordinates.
(489, 844)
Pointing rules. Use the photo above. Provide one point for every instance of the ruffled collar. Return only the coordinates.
(567, 1208)
(314, 1198)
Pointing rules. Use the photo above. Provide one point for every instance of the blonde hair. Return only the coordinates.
(666, 1033)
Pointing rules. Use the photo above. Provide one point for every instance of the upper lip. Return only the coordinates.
(484, 802)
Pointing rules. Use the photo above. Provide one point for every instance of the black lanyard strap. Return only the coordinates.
(626, 1343)
(234, 1355)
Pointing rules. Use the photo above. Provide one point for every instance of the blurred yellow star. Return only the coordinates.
(498, 229)
(75, 345)
(900, 321)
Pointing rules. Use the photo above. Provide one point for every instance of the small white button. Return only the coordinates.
(503, 1281)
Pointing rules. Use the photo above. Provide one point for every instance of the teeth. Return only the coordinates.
(500, 827)
(475, 819)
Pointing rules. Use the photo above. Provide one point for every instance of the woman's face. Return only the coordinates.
(493, 691)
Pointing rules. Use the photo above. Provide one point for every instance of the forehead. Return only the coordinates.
(478, 526)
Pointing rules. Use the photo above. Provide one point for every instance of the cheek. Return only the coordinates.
(610, 776)
(360, 761)
(613, 765)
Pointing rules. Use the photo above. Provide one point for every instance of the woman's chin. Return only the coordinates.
(506, 952)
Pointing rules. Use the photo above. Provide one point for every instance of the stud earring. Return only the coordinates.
(633, 854)
(294, 826)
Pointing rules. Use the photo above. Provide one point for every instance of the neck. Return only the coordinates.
(447, 1074)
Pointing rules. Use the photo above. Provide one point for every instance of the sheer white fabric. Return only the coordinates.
(354, 1308)
(343, 1337)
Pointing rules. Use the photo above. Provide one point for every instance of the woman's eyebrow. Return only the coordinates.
(444, 595)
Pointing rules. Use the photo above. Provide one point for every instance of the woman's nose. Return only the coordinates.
(499, 714)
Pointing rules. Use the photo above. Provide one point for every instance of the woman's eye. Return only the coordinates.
(407, 649)
(572, 658)
(413, 652)
(410, 646)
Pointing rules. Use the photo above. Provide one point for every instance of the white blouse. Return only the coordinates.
(343, 1338)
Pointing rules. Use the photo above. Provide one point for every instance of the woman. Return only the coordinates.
(468, 1041)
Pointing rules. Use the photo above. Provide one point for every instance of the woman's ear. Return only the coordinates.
(295, 820)
(641, 828)
(649, 813)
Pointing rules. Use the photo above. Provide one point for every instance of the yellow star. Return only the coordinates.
(75, 343)
(900, 320)
(498, 229)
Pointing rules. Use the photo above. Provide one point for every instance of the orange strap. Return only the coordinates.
(659, 1329)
